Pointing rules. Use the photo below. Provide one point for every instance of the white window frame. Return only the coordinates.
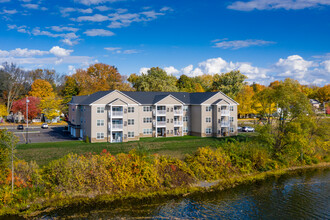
(185, 130)
(185, 108)
(99, 122)
(208, 130)
(185, 118)
(208, 108)
(99, 135)
(130, 109)
(231, 108)
(130, 121)
(231, 129)
(147, 120)
(147, 131)
(231, 119)
(147, 108)
(208, 120)
(100, 110)
(130, 134)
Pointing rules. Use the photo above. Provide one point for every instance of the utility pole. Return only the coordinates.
(27, 119)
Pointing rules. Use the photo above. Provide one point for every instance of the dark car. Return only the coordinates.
(20, 127)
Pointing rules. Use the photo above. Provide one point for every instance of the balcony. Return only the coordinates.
(161, 112)
(161, 123)
(177, 123)
(117, 126)
(118, 114)
(224, 123)
(177, 112)
(225, 112)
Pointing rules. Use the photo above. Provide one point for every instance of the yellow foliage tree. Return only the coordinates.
(41, 88)
(3, 110)
(199, 88)
(50, 107)
(246, 101)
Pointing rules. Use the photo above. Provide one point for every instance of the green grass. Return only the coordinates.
(43, 153)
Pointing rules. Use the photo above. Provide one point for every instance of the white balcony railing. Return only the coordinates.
(224, 123)
(178, 112)
(117, 113)
(225, 112)
(161, 123)
(117, 126)
(177, 122)
(161, 112)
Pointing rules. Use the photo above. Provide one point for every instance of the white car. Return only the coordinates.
(44, 126)
(247, 129)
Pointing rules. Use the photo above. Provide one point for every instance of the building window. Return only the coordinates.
(168, 109)
(231, 119)
(130, 121)
(171, 120)
(99, 135)
(171, 131)
(231, 108)
(185, 118)
(231, 129)
(208, 108)
(131, 134)
(208, 120)
(147, 120)
(100, 110)
(73, 109)
(185, 108)
(185, 130)
(147, 108)
(168, 120)
(147, 131)
(219, 132)
(208, 130)
(100, 122)
(130, 109)
(168, 132)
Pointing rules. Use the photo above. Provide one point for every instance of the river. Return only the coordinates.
(300, 195)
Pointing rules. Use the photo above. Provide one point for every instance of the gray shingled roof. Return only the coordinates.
(147, 98)
(78, 99)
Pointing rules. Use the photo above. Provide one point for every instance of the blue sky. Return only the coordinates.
(266, 39)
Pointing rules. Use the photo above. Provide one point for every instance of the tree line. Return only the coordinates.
(49, 92)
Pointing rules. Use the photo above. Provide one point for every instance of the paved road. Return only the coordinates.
(39, 135)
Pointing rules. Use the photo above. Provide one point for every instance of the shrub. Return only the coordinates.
(208, 164)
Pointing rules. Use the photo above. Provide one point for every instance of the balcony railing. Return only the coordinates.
(117, 126)
(161, 123)
(224, 123)
(178, 112)
(225, 112)
(161, 112)
(117, 113)
(177, 122)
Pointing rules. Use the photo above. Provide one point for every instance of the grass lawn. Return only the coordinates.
(43, 153)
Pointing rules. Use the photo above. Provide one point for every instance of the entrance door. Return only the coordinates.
(81, 133)
(116, 137)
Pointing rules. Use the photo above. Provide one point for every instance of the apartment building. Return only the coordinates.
(117, 116)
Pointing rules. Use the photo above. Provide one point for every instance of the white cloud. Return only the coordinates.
(237, 44)
(30, 6)
(94, 18)
(95, 2)
(71, 69)
(132, 51)
(86, 11)
(47, 60)
(326, 65)
(62, 28)
(103, 8)
(66, 11)
(70, 42)
(166, 9)
(151, 14)
(3, 1)
(60, 52)
(98, 32)
(9, 12)
(144, 70)
(112, 48)
(276, 4)
(294, 66)
(18, 52)
(171, 70)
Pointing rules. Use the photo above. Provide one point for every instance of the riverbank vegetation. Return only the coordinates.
(292, 137)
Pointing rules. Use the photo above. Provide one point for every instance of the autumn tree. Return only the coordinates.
(186, 84)
(50, 107)
(229, 83)
(12, 83)
(156, 79)
(323, 94)
(3, 110)
(246, 101)
(20, 106)
(41, 88)
(257, 87)
(99, 77)
(70, 88)
(205, 80)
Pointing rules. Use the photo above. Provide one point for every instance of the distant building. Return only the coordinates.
(316, 104)
(115, 116)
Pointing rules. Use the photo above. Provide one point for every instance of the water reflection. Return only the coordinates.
(305, 195)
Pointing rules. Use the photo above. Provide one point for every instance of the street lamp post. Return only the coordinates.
(27, 120)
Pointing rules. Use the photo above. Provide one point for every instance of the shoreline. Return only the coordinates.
(83, 203)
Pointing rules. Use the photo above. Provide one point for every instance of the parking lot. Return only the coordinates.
(39, 135)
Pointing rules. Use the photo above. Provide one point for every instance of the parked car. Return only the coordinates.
(44, 126)
(247, 129)
(20, 127)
